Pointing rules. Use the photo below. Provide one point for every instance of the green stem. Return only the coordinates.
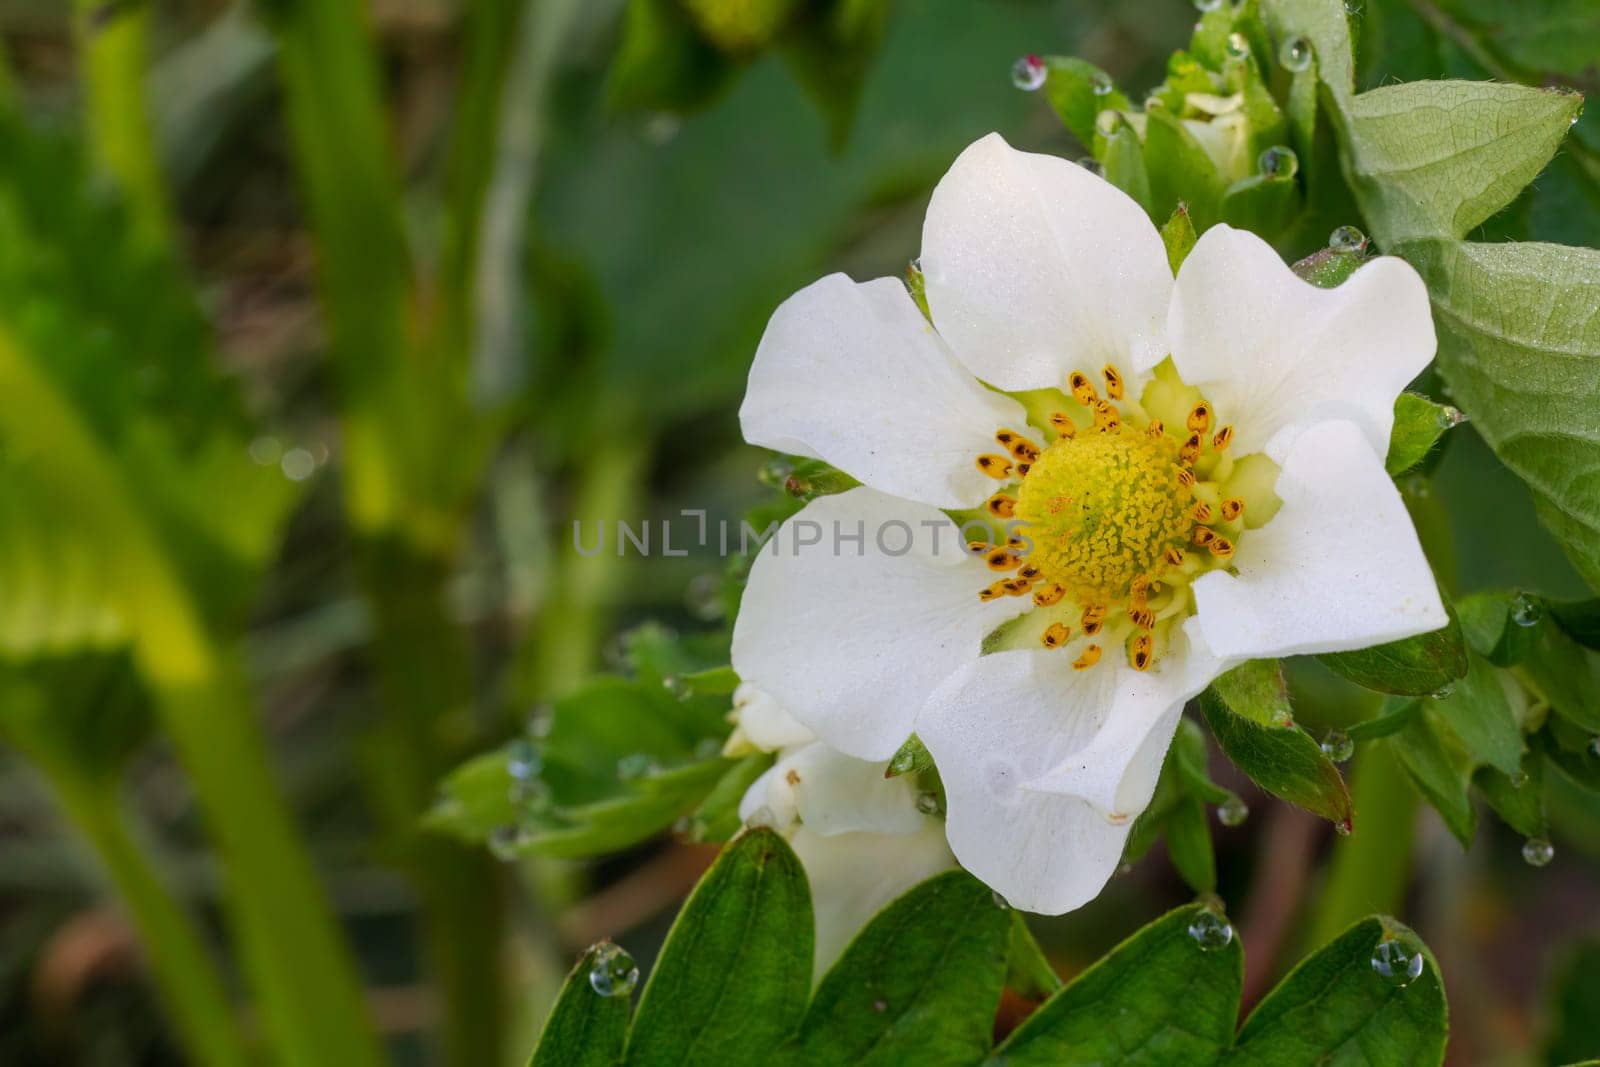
(120, 131)
(309, 990)
(1371, 868)
(185, 976)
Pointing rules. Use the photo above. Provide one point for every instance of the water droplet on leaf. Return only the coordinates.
(1237, 46)
(1594, 747)
(1233, 811)
(763, 818)
(677, 686)
(613, 974)
(1538, 851)
(635, 766)
(1203, 6)
(298, 464)
(1337, 746)
(1090, 164)
(774, 473)
(1295, 55)
(928, 803)
(1279, 161)
(1101, 83)
(1444, 692)
(1398, 961)
(1210, 931)
(1000, 902)
(506, 841)
(1347, 239)
(1028, 73)
(522, 759)
(1526, 610)
(703, 597)
(1518, 780)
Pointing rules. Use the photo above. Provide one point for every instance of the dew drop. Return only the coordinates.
(1204, 6)
(1233, 811)
(613, 973)
(1295, 55)
(677, 687)
(1538, 851)
(1526, 610)
(999, 901)
(1594, 747)
(506, 842)
(1343, 827)
(636, 765)
(707, 748)
(703, 597)
(522, 759)
(1106, 122)
(1210, 931)
(1153, 102)
(1237, 46)
(928, 803)
(774, 473)
(298, 464)
(1279, 161)
(1398, 961)
(266, 451)
(903, 761)
(1347, 239)
(1101, 83)
(1028, 73)
(1444, 692)
(880, 1006)
(1518, 780)
(763, 818)
(1337, 746)
(1090, 164)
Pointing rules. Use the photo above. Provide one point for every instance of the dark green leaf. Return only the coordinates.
(1418, 425)
(1397, 714)
(1518, 341)
(1517, 799)
(1565, 674)
(918, 985)
(731, 983)
(584, 1029)
(717, 817)
(1335, 1008)
(1028, 972)
(1122, 159)
(1262, 204)
(1157, 999)
(1480, 716)
(1441, 770)
(1413, 666)
(1188, 835)
(1574, 1004)
(1180, 171)
(1579, 618)
(831, 51)
(663, 63)
(1491, 631)
(1248, 712)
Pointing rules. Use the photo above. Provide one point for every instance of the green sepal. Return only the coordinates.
(1262, 204)
(1180, 171)
(1412, 666)
(1070, 88)
(1178, 235)
(1122, 159)
(1418, 425)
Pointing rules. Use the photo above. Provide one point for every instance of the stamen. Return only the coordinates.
(1138, 588)
(1016, 586)
(1201, 512)
(992, 592)
(1082, 388)
(1055, 635)
(1049, 595)
(1024, 449)
(1200, 418)
(1023, 469)
(1001, 506)
(1188, 455)
(1223, 438)
(1155, 430)
(978, 548)
(1202, 535)
(1094, 616)
(1141, 616)
(1232, 508)
(1113, 382)
(995, 466)
(1001, 560)
(1105, 416)
(1062, 423)
(1140, 650)
(1007, 438)
(1014, 541)
(1091, 656)
(1175, 556)
(1221, 547)
(1186, 477)
(1028, 572)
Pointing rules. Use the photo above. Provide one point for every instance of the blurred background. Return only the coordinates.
(320, 324)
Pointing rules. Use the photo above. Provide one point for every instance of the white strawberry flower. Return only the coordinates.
(863, 838)
(1178, 475)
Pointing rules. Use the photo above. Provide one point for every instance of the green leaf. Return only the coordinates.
(744, 27)
(1261, 203)
(1335, 1008)
(1566, 675)
(1397, 715)
(1158, 998)
(1436, 158)
(831, 51)
(1122, 159)
(1574, 1004)
(1441, 770)
(1517, 799)
(1188, 835)
(1070, 88)
(1412, 666)
(1248, 712)
(1580, 619)
(1177, 233)
(1028, 972)
(663, 63)
(717, 817)
(1327, 268)
(1180, 171)
(1518, 343)
(919, 985)
(1491, 631)
(731, 983)
(1480, 716)
(1418, 425)
(1325, 24)
(584, 1029)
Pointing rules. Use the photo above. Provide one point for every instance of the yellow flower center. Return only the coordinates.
(1102, 509)
(1109, 524)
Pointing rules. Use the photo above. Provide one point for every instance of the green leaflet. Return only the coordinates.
(919, 984)
(1335, 1008)
(1519, 343)
(584, 1029)
(1418, 425)
(1435, 159)
(1248, 712)
(731, 983)
(1412, 666)
(1158, 998)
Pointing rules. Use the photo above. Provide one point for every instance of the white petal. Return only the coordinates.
(1026, 814)
(851, 638)
(764, 721)
(1275, 354)
(832, 793)
(853, 374)
(854, 876)
(1338, 568)
(1036, 268)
